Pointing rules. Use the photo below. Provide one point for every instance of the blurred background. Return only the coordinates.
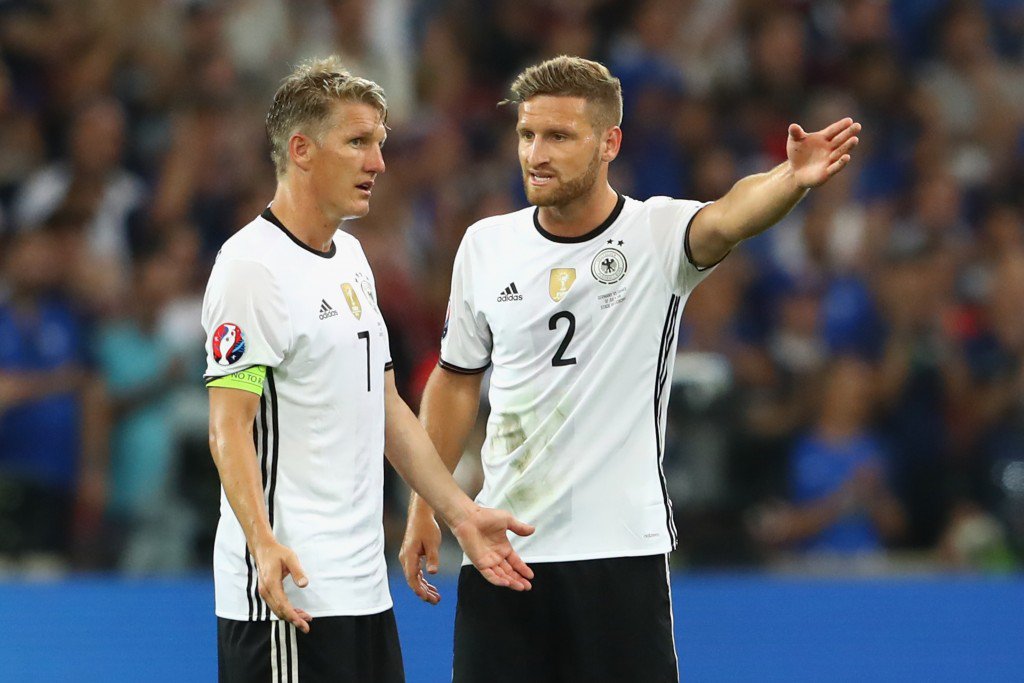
(849, 387)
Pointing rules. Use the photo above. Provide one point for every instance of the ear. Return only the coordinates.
(301, 150)
(611, 143)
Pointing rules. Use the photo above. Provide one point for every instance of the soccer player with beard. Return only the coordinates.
(575, 303)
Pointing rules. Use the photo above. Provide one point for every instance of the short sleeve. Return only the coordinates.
(245, 319)
(669, 221)
(466, 337)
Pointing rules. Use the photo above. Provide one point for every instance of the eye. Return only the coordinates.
(526, 135)
(559, 137)
(357, 142)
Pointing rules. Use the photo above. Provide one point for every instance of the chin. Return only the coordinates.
(357, 210)
(541, 197)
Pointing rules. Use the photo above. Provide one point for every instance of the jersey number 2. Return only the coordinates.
(559, 358)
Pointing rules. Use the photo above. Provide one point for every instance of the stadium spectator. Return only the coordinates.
(52, 450)
(141, 370)
(91, 181)
(840, 502)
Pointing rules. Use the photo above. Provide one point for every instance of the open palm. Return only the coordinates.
(816, 157)
(483, 537)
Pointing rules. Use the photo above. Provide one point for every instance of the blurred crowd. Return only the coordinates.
(849, 388)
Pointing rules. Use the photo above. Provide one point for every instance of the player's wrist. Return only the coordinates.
(421, 512)
(419, 509)
(260, 540)
(459, 512)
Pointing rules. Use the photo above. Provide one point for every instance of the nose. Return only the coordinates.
(375, 160)
(535, 153)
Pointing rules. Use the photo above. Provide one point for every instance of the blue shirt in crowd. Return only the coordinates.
(39, 440)
(819, 468)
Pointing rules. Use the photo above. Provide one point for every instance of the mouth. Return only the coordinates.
(540, 178)
(366, 187)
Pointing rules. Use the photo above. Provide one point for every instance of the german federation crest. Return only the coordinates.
(560, 282)
(609, 266)
(352, 300)
(228, 343)
(367, 287)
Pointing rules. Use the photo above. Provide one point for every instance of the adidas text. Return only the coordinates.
(326, 311)
(511, 293)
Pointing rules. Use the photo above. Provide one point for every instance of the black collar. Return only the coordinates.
(269, 216)
(586, 236)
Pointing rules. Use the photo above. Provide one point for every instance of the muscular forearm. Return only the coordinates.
(448, 412)
(235, 457)
(757, 202)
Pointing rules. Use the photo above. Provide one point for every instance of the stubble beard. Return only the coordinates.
(568, 191)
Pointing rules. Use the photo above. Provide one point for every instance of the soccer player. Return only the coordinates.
(575, 303)
(303, 406)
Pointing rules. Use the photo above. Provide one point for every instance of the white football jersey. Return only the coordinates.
(312, 320)
(581, 333)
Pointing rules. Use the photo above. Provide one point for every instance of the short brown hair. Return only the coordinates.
(304, 100)
(566, 76)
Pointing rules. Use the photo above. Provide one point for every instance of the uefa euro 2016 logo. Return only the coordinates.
(228, 344)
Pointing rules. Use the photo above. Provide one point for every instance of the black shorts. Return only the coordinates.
(337, 649)
(600, 621)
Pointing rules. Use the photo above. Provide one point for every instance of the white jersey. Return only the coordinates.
(312, 320)
(581, 333)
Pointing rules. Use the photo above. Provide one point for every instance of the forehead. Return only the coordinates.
(356, 117)
(554, 111)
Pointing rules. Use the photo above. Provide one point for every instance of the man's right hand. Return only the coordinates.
(274, 562)
(422, 540)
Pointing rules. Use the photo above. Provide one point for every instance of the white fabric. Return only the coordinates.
(575, 448)
(296, 319)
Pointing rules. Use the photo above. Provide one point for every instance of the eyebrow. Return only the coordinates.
(554, 130)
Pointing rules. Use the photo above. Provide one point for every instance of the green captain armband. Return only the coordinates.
(250, 379)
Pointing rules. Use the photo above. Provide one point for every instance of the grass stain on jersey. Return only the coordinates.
(509, 435)
(537, 484)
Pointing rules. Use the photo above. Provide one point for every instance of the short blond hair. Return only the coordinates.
(566, 76)
(303, 103)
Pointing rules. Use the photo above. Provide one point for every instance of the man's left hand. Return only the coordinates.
(482, 535)
(816, 157)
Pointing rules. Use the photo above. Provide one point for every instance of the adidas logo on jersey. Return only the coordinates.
(510, 294)
(326, 311)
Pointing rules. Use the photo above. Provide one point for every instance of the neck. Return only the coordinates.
(582, 214)
(303, 217)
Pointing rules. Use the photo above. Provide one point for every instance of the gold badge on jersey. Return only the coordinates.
(352, 300)
(560, 282)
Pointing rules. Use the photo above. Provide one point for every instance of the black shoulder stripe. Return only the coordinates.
(686, 244)
(462, 371)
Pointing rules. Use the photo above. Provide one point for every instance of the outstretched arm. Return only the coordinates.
(759, 201)
(480, 531)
